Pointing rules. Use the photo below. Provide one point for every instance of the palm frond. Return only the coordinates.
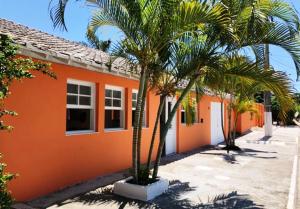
(57, 13)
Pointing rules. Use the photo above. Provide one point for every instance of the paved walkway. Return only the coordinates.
(258, 177)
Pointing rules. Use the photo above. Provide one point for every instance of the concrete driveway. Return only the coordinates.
(258, 177)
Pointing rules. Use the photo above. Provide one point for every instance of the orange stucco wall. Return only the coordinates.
(246, 121)
(199, 134)
(47, 159)
(38, 148)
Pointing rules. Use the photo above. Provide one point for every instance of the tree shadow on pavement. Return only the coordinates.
(231, 157)
(171, 199)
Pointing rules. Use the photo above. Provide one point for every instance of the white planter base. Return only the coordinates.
(139, 192)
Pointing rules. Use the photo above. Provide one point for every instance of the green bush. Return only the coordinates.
(6, 199)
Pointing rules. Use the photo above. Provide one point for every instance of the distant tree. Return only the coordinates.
(93, 41)
(12, 68)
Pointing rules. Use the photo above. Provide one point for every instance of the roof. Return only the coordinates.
(41, 45)
(37, 44)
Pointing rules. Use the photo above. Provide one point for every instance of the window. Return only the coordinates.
(80, 106)
(183, 115)
(195, 105)
(114, 107)
(134, 103)
(194, 109)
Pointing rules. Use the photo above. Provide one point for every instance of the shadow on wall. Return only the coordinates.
(171, 199)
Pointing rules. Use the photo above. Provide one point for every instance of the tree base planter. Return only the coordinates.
(141, 192)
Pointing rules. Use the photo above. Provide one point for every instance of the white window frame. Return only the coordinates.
(122, 109)
(78, 106)
(134, 91)
(134, 108)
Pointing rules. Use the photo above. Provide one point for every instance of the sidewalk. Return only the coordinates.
(258, 177)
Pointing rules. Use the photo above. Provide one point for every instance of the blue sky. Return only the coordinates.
(34, 14)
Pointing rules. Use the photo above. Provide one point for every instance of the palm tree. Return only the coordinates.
(251, 33)
(243, 88)
(240, 107)
(93, 41)
(256, 14)
(149, 31)
(184, 46)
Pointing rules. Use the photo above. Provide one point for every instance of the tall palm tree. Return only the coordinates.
(256, 14)
(275, 34)
(241, 89)
(149, 32)
(190, 42)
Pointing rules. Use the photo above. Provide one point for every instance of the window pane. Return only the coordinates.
(183, 117)
(78, 119)
(85, 90)
(133, 104)
(108, 93)
(117, 94)
(134, 96)
(116, 103)
(85, 100)
(113, 119)
(72, 88)
(133, 115)
(71, 99)
(108, 102)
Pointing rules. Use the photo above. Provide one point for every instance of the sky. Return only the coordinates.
(35, 14)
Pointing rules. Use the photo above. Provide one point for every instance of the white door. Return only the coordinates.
(216, 124)
(170, 144)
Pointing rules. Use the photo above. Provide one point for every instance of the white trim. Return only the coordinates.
(92, 96)
(122, 99)
(171, 137)
(114, 87)
(114, 129)
(134, 91)
(78, 106)
(72, 133)
(122, 108)
(134, 108)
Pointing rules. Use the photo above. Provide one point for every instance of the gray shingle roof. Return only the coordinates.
(43, 42)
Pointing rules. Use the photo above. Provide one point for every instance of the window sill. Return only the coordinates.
(108, 130)
(72, 133)
(184, 124)
(144, 127)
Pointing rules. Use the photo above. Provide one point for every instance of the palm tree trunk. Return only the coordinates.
(234, 128)
(136, 127)
(165, 127)
(141, 119)
(229, 121)
(159, 111)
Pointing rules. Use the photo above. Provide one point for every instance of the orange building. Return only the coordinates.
(79, 126)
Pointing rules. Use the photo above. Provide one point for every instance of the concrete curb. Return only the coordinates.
(292, 203)
(71, 191)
